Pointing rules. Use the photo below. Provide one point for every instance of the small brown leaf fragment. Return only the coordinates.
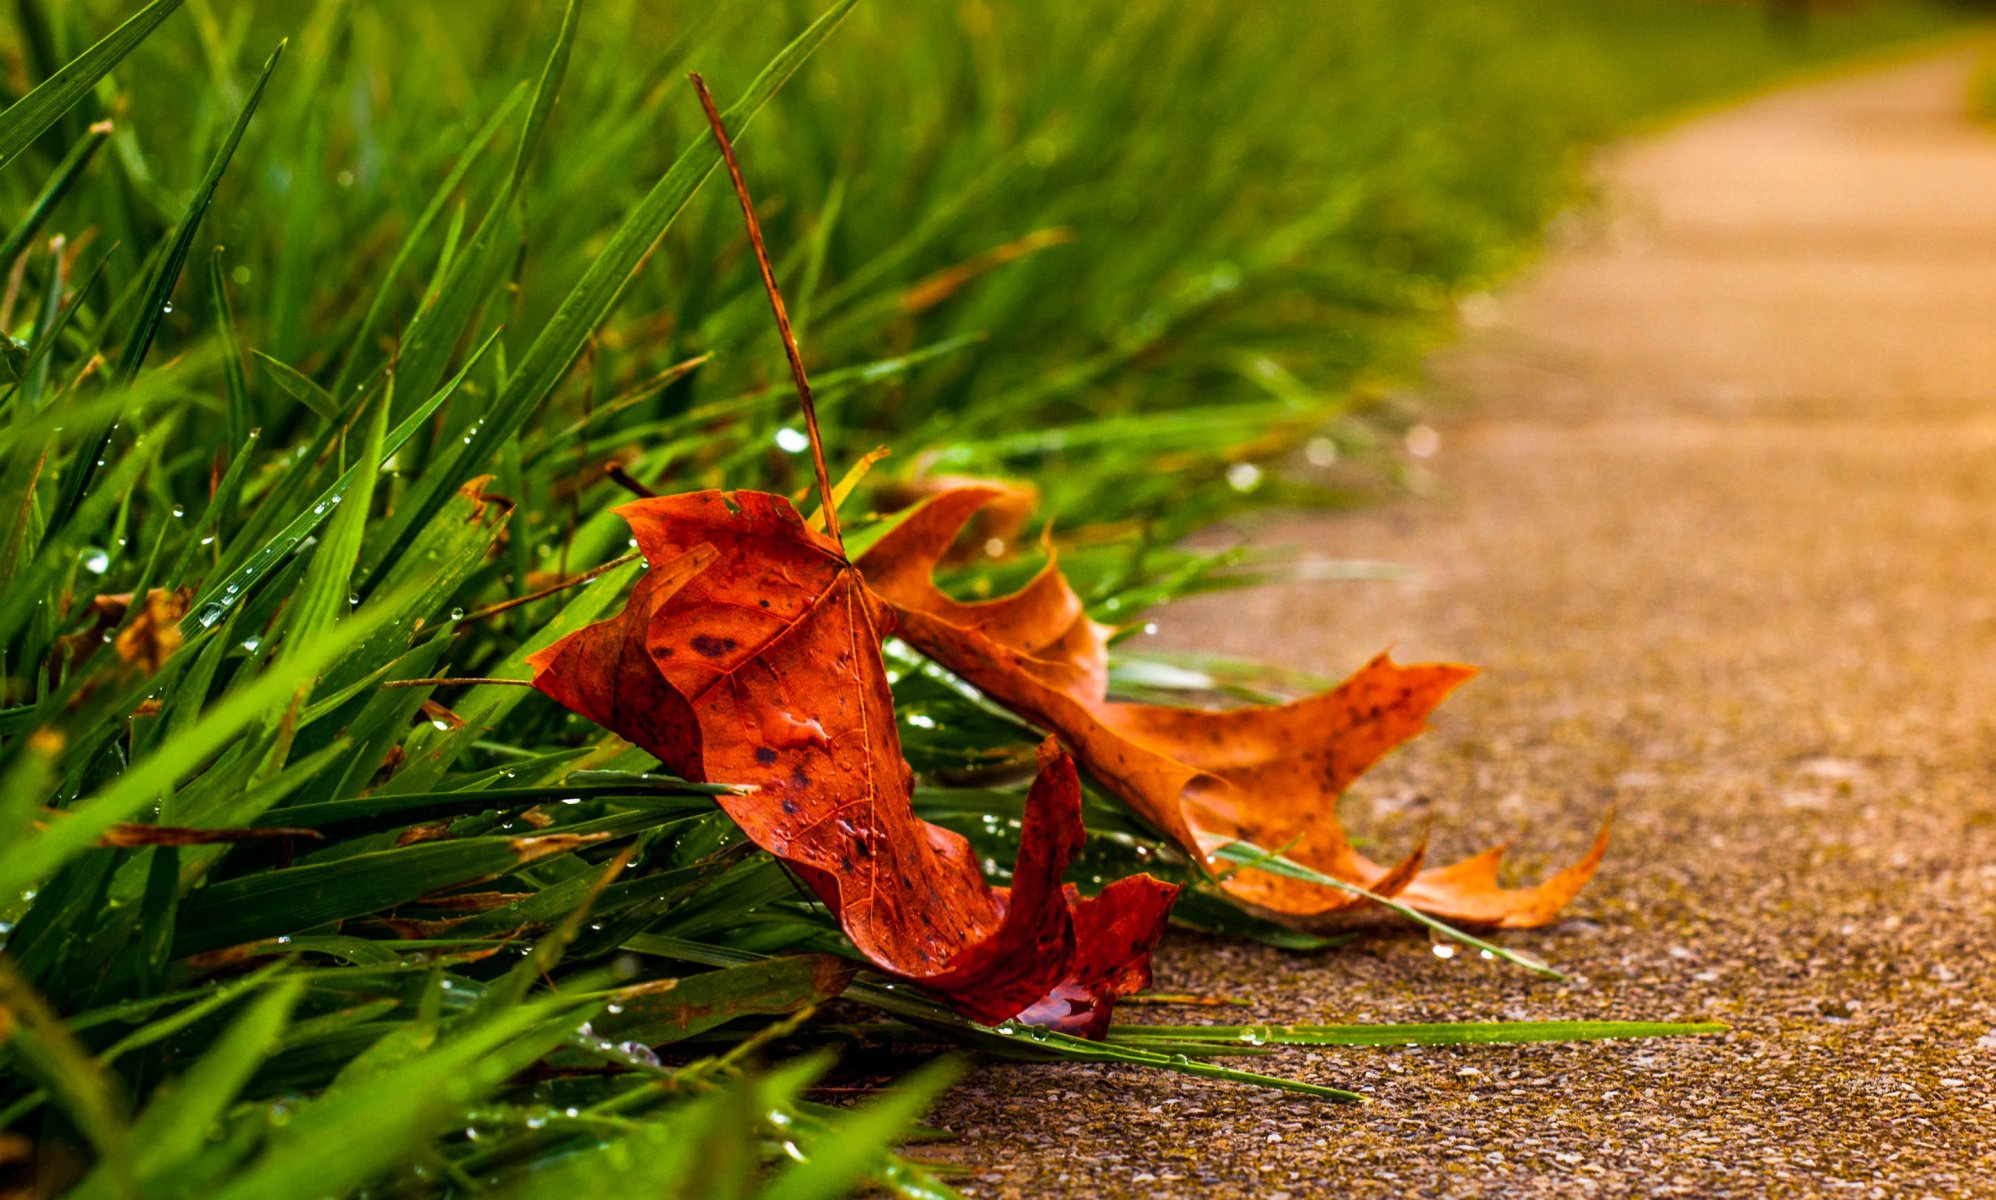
(150, 638)
(476, 902)
(390, 763)
(229, 956)
(434, 831)
(474, 491)
(131, 835)
(147, 641)
(1270, 776)
(650, 987)
(948, 281)
(547, 845)
(442, 717)
(410, 929)
(17, 1153)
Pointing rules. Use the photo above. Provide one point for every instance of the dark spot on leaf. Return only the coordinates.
(765, 755)
(712, 647)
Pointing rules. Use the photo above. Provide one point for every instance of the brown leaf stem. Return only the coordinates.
(789, 337)
(572, 581)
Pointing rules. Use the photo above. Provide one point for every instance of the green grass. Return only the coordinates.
(326, 337)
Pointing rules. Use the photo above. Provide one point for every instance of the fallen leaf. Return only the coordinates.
(1270, 776)
(761, 666)
(990, 532)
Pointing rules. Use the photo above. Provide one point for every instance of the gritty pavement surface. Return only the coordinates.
(1720, 525)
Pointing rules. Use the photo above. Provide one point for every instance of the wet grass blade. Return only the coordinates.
(231, 590)
(60, 181)
(377, 812)
(27, 117)
(1248, 855)
(26, 864)
(1010, 1038)
(158, 297)
(562, 339)
(299, 387)
(857, 1144)
(175, 1126)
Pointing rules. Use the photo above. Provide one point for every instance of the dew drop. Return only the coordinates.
(639, 1052)
(1244, 477)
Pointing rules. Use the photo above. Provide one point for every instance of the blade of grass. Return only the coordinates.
(1248, 855)
(27, 863)
(158, 296)
(552, 352)
(60, 181)
(26, 118)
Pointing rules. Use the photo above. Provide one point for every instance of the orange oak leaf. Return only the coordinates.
(749, 653)
(1270, 776)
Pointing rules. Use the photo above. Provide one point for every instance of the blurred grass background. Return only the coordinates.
(1248, 219)
(1132, 253)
